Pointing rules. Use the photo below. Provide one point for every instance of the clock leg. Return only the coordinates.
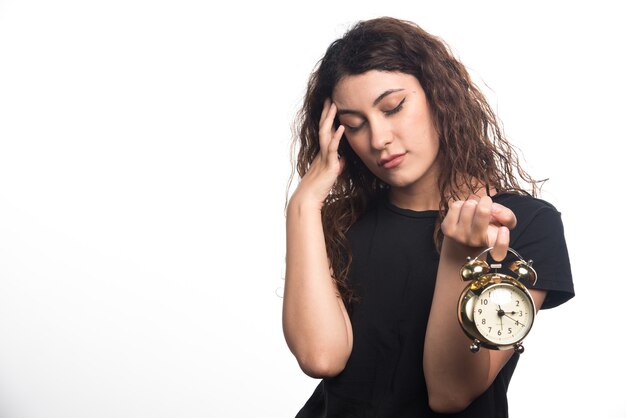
(475, 346)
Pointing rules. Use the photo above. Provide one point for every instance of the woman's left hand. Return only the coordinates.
(479, 224)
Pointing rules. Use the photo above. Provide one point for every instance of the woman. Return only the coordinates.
(404, 173)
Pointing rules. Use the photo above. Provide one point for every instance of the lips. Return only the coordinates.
(391, 161)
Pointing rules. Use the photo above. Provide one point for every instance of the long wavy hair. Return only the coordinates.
(473, 152)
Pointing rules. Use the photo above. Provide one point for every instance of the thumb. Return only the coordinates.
(342, 163)
(501, 245)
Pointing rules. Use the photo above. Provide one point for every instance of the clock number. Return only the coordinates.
(510, 331)
(484, 301)
(520, 313)
(480, 311)
(484, 321)
(499, 332)
(490, 330)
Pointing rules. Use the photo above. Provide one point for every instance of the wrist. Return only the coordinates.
(454, 250)
(299, 203)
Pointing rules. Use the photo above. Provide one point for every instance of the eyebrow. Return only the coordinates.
(376, 101)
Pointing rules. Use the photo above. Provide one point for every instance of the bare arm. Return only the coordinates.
(454, 375)
(315, 322)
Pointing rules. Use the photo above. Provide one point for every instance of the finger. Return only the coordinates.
(450, 222)
(501, 246)
(326, 123)
(333, 146)
(482, 215)
(503, 216)
(324, 132)
(325, 109)
(466, 217)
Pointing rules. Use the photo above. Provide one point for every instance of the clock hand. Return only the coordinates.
(500, 314)
(516, 320)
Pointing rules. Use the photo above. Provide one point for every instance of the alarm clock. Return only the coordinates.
(496, 310)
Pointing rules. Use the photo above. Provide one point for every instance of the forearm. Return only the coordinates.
(315, 322)
(454, 375)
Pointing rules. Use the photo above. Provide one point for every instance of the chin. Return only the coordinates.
(401, 183)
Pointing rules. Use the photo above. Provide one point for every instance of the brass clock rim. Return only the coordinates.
(469, 326)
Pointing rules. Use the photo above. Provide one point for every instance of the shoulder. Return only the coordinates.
(524, 204)
(539, 236)
(530, 210)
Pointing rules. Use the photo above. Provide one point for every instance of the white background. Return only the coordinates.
(144, 158)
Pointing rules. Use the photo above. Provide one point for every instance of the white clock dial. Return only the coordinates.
(503, 314)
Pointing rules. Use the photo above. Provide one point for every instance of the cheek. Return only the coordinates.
(422, 128)
(431, 133)
(421, 120)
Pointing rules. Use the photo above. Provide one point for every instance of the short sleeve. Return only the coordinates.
(539, 236)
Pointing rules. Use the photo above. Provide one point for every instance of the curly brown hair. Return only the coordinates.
(473, 151)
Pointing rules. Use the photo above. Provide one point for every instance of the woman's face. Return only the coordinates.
(389, 126)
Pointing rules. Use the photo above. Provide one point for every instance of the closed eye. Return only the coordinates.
(353, 128)
(395, 109)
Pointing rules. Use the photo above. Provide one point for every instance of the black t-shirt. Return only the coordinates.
(393, 274)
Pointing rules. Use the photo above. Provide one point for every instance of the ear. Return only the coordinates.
(524, 271)
(473, 269)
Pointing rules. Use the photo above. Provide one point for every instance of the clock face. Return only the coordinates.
(503, 314)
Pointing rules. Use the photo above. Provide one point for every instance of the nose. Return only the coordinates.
(381, 134)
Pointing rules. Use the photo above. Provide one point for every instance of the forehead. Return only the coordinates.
(363, 89)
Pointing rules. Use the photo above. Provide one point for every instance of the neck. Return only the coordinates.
(415, 200)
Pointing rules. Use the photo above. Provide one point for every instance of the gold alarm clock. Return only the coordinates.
(496, 310)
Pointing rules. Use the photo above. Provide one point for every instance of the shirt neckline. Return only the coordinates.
(409, 212)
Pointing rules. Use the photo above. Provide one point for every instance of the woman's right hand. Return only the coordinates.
(327, 165)
(315, 321)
